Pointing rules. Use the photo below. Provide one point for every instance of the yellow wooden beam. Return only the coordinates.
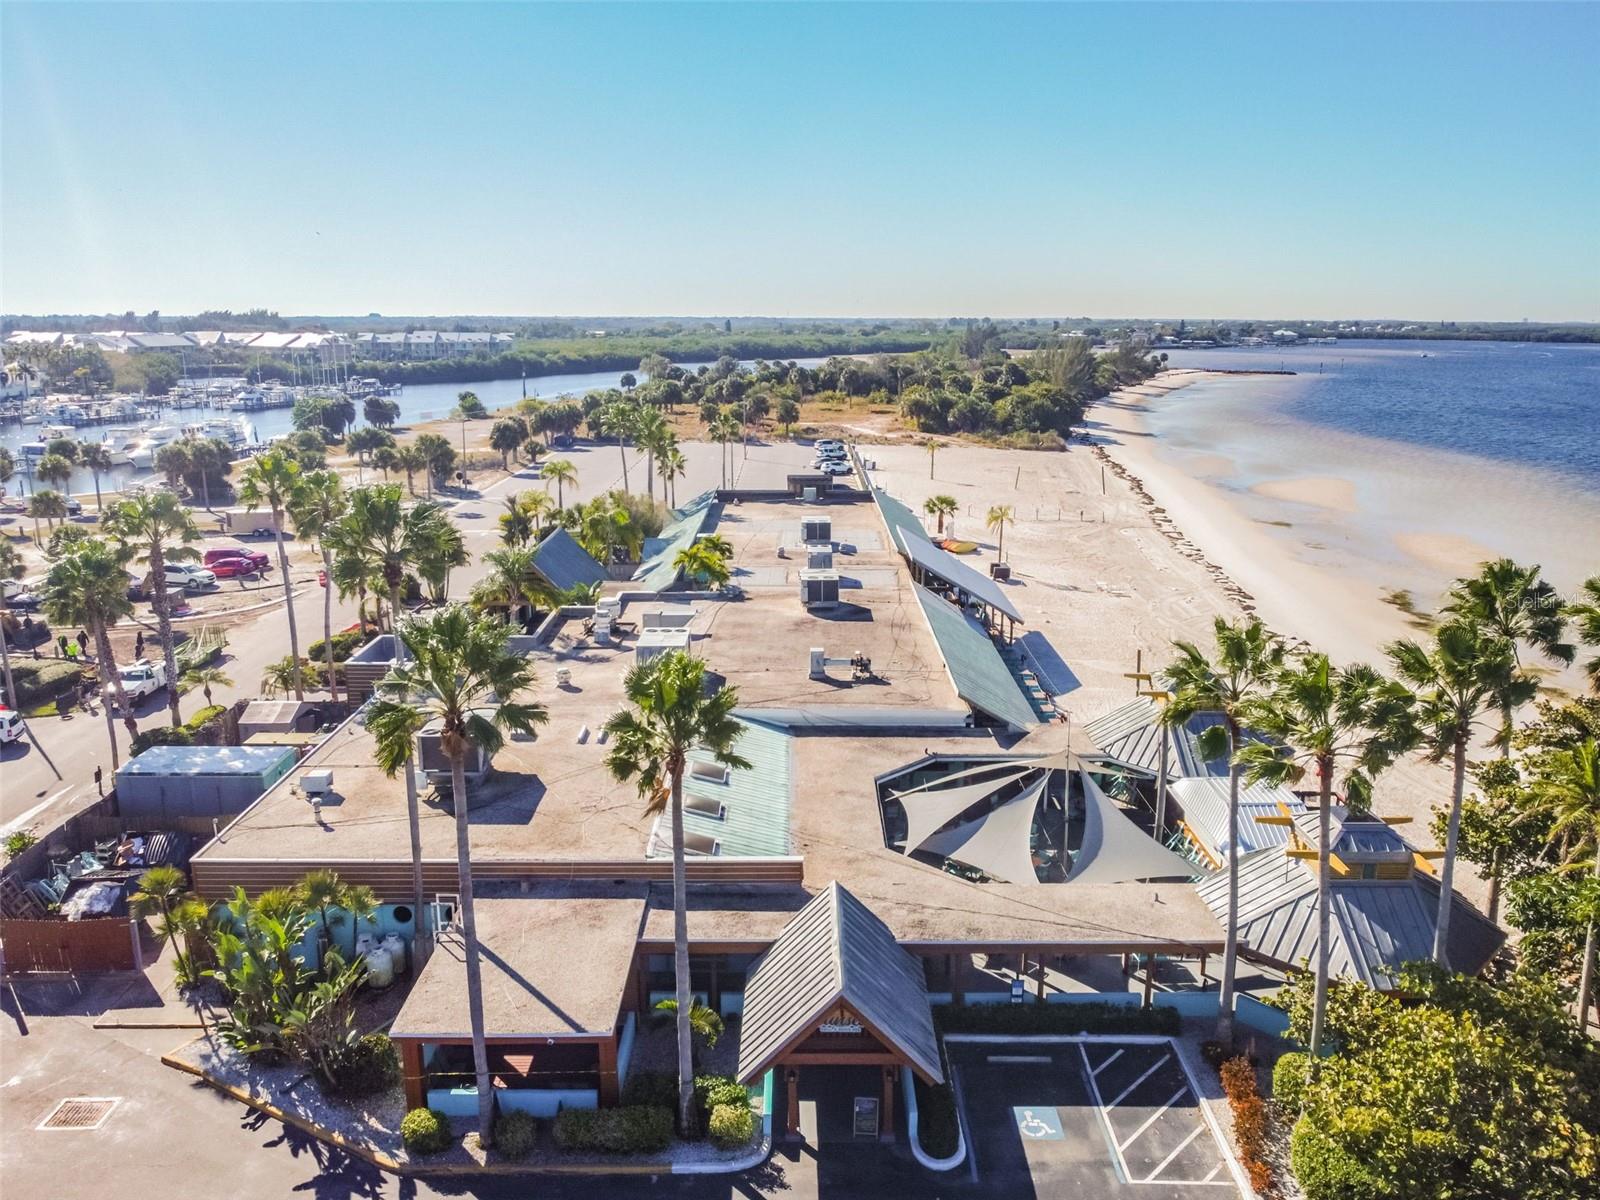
(1422, 864)
(1273, 820)
(1396, 820)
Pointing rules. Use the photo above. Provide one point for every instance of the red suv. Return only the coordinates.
(233, 568)
(261, 561)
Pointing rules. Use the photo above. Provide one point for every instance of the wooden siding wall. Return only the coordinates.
(215, 878)
(101, 944)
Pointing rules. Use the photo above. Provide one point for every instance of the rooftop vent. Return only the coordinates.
(317, 783)
(654, 642)
(819, 560)
(816, 529)
(819, 589)
(705, 806)
(709, 772)
(435, 762)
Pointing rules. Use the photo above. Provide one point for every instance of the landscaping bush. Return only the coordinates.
(20, 841)
(345, 644)
(426, 1131)
(732, 1125)
(1289, 1081)
(366, 1067)
(1249, 1121)
(515, 1134)
(651, 1089)
(1326, 1171)
(1055, 1018)
(636, 1129)
(43, 681)
(937, 1128)
(725, 1095)
(182, 735)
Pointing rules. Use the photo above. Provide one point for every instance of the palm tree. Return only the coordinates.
(316, 505)
(324, 891)
(653, 436)
(1566, 785)
(207, 456)
(88, 587)
(940, 507)
(173, 461)
(1585, 614)
(619, 420)
(1248, 657)
(49, 504)
(206, 678)
(54, 469)
(97, 458)
(11, 569)
(387, 458)
(442, 549)
(1000, 515)
(704, 1024)
(670, 713)
(511, 581)
(158, 529)
(465, 679)
(1325, 721)
(411, 459)
(725, 430)
(561, 472)
(516, 526)
(280, 675)
(538, 506)
(672, 467)
(507, 435)
(160, 889)
(1513, 603)
(703, 564)
(1466, 671)
(273, 479)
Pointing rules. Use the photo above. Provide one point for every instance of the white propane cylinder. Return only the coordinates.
(364, 945)
(396, 946)
(380, 968)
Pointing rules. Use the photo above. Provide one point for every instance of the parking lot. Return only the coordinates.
(1086, 1118)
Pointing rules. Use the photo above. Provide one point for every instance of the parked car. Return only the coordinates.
(140, 679)
(259, 557)
(189, 576)
(835, 468)
(21, 595)
(233, 568)
(11, 726)
(829, 444)
(74, 507)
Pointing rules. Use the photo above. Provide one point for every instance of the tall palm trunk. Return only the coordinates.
(680, 958)
(1447, 873)
(422, 938)
(1230, 944)
(327, 624)
(1319, 1002)
(98, 506)
(158, 576)
(288, 602)
(650, 474)
(469, 938)
(1586, 971)
(108, 672)
(622, 453)
(5, 665)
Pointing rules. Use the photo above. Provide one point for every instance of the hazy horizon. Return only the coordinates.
(1440, 161)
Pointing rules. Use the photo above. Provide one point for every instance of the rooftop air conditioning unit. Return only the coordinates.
(819, 560)
(809, 495)
(435, 762)
(816, 529)
(653, 642)
(819, 589)
(317, 783)
(608, 608)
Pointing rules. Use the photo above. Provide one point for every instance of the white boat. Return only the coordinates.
(121, 443)
(143, 455)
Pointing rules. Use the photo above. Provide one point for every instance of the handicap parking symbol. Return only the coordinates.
(1038, 1124)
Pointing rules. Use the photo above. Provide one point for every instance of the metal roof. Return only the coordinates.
(1205, 808)
(656, 570)
(209, 760)
(1130, 736)
(957, 574)
(980, 675)
(835, 951)
(900, 519)
(754, 801)
(1376, 925)
(566, 564)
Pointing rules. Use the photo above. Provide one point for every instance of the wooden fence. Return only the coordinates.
(79, 947)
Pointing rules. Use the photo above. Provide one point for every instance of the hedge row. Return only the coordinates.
(1249, 1122)
(43, 681)
(1030, 1017)
(345, 644)
(937, 1127)
(634, 1129)
(182, 735)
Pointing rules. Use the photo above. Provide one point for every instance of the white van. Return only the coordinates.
(11, 726)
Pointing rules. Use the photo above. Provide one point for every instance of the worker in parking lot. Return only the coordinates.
(138, 644)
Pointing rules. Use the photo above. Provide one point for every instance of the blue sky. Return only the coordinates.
(1438, 161)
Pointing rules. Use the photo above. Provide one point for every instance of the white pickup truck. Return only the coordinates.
(140, 679)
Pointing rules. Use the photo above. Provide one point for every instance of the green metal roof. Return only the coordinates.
(980, 675)
(755, 801)
(656, 571)
(900, 519)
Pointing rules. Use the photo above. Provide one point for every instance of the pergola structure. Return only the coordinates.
(836, 989)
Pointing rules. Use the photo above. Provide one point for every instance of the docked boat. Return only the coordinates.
(120, 444)
(143, 455)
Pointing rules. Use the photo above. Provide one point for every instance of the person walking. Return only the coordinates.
(72, 652)
(138, 644)
(61, 645)
(83, 642)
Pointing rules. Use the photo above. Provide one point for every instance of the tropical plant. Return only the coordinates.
(442, 550)
(670, 713)
(174, 462)
(384, 541)
(703, 564)
(940, 507)
(1247, 660)
(273, 479)
(462, 675)
(336, 903)
(159, 889)
(787, 412)
(704, 1025)
(157, 529)
(605, 525)
(438, 454)
(1464, 672)
(619, 420)
(54, 469)
(1565, 787)
(1000, 515)
(1513, 603)
(511, 582)
(315, 508)
(671, 466)
(652, 435)
(506, 436)
(96, 456)
(1585, 614)
(411, 459)
(49, 504)
(561, 472)
(187, 925)
(1342, 727)
(88, 587)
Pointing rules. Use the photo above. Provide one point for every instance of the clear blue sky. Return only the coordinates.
(1439, 161)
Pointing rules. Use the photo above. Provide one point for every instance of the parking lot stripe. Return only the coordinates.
(1165, 1058)
(1181, 1147)
(1117, 1160)
(1151, 1119)
(1115, 1054)
(1213, 1174)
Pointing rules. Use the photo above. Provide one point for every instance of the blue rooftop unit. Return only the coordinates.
(168, 782)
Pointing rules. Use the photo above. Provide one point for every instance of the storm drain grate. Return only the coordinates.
(80, 1112)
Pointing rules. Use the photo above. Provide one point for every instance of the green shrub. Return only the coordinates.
(1326, 1171)
(1056, 1018)
(635, 1129)
(426, 1131)
(344, 645)
(40, 682)
(655, 1089)
(366, 1067)
(515, 1134)
(727, 1094)
(182, 735)
(1289, 1081)
(21, 840)
(937, 1128)
(732, 1125)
